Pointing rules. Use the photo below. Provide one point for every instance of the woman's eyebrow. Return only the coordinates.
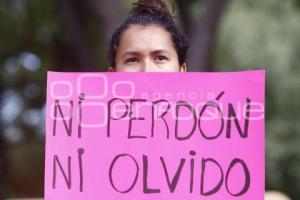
(130, 53)
(161, 51)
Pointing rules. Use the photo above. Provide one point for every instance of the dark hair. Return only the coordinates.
(147, 12)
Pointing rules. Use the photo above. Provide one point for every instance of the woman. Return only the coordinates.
(148, 41)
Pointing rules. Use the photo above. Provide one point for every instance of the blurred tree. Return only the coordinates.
(107, 20)
(72, 35)
(185, 15)
(3, 158)
(258, 33)
(73, 14)
(203, 36)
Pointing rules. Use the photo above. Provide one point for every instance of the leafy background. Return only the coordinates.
(72, 35)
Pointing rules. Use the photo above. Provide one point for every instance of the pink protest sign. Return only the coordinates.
(155, 136)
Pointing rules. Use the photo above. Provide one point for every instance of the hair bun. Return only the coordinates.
(155, 7)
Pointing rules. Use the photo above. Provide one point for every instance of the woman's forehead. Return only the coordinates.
(138, 38)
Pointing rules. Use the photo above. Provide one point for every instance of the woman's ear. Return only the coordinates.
(183, 67)
(111, 69)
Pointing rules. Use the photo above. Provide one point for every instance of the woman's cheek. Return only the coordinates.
(172, 66)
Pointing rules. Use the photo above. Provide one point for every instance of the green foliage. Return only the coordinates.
(253, 33)
(258, 33)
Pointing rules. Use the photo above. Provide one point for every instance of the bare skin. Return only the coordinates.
(147, 49)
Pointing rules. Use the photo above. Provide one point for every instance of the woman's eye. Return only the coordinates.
(161, 58)
(131, 60)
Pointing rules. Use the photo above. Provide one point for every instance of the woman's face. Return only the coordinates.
(147, 49)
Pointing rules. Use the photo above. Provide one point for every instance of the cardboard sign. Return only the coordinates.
(155, 136)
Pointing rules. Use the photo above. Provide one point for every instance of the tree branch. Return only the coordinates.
(185, 20)
(73, 22)
(203, 40)
(109, 13)
(3, 159)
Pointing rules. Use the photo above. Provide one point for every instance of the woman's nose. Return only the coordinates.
(148, 66)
